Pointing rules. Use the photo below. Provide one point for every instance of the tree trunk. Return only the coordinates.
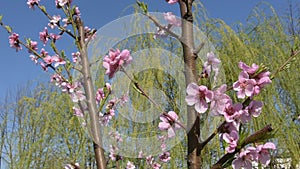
(91, 102)
(193, 120)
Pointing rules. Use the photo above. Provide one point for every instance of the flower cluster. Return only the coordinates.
(130, 165)
(73, 89)
(115, 60)
(109, 113)
(31, 3)
(251, 81)
(152, 163)
(61, 3)
(211, 66)
(168, 122)
(260, 153)
(14, 41)
(103, 92)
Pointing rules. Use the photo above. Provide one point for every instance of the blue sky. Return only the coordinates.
(16, 69)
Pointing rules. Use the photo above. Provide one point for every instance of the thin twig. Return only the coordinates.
(293, 55)
(162, 27)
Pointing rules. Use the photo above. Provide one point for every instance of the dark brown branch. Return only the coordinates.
(258, 136)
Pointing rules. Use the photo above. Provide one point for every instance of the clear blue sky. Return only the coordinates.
(16, 69)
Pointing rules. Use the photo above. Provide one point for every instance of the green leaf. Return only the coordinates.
(1, 18)
(8, 28)
(43, 8)
(143, 6)
(63, 54)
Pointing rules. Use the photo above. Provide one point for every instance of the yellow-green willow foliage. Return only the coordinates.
(40, 130)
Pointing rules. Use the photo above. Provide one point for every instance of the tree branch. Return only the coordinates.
(90, 99)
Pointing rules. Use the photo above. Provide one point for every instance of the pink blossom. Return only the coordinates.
(212, 64)
(230, 127)
(58, 61)
(172, 1)
(250, 70)
(75, 57)
(262, 79)
(244, 86)
(171, 19)
(57, 79)
(218, 103)
(54, 36)
(165, 157)
(44, 67)
(65, 21)
(163, 139)
(254, 108)
(149, 160)
(124, 99)
(232, 139)
(116, 135)
(156, 165)
(89, 33)
(72, 166)
(34, 59)
(14, 41)
(48, 59)
(32, 45)
(44, 53)
(232, 111)
(130, 165)
(54, 21)
(71, 88)
(141, 154)
(244, 159)
(44, 36)
(31, 3)
(114, 60)
(198, 96)
(77, 12)
(169, 123)
(77, 96)
(113, 153)
(78, 112)
(61, 3)
(100, 95)
(263, 154)
(104, 118)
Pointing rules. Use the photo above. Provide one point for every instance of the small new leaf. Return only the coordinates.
(1, 18)
(62, 53)
(8, 28)
(143, 6)
(43, 8)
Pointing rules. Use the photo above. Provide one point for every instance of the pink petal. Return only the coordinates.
(192, 89)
